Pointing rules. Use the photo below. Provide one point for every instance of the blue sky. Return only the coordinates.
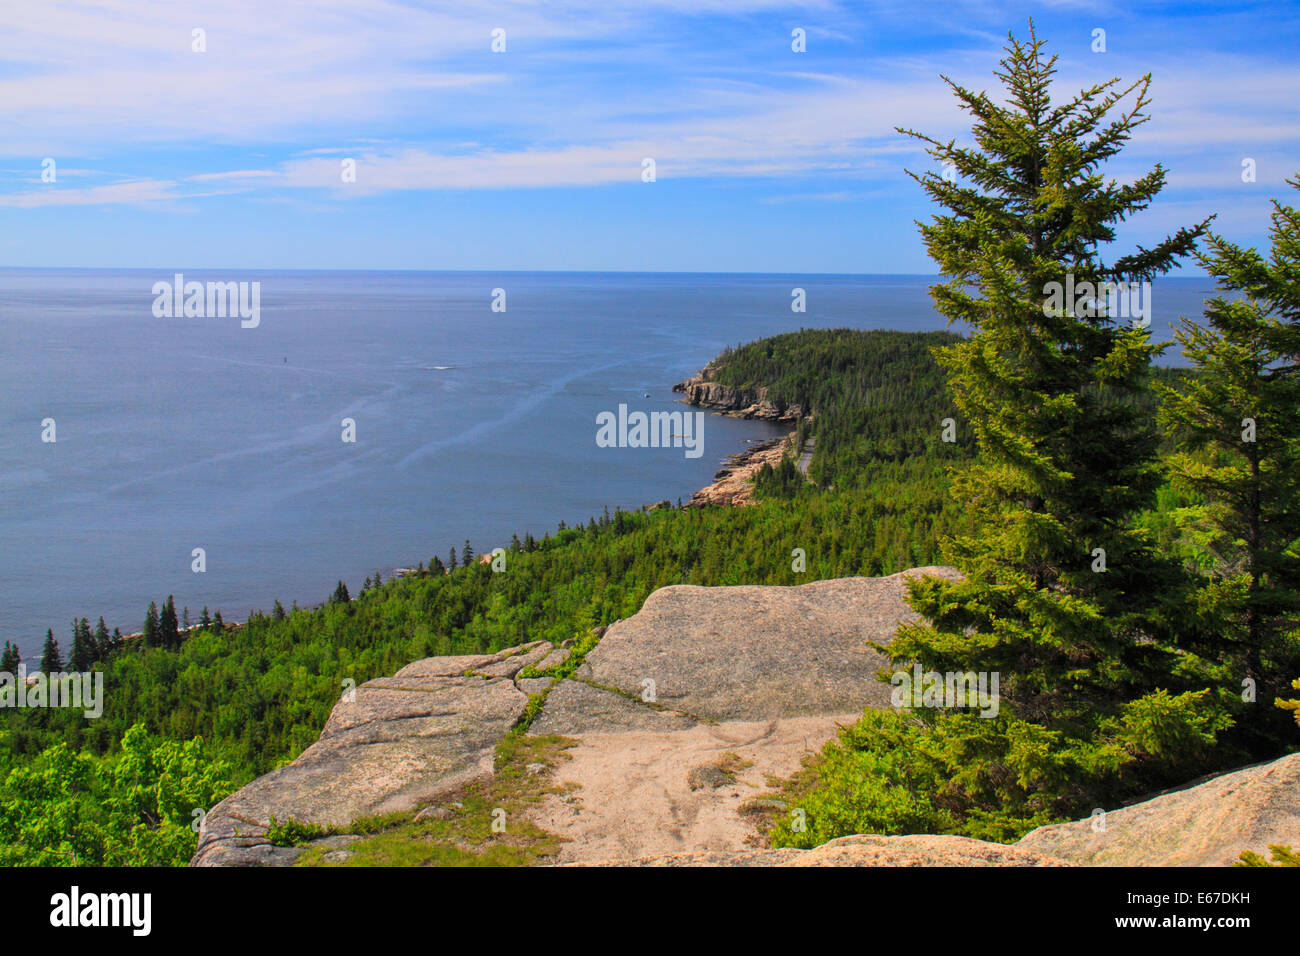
(767, 160)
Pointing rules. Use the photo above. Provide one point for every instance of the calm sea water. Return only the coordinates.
(183, 433)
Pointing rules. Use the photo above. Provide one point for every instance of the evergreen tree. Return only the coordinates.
(1238, 448)
(451, 560)
(1062, 594)
(82, 654)
(51, 657)
(467, 557)
(219, 624)
(436, 566)
(340, 595)
(11, 658)
(205, 619)
(152, 635)
(104, 644)
(277, 612)
(169, 633)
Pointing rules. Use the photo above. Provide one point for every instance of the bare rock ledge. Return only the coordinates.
(680, 715)
(402, 742)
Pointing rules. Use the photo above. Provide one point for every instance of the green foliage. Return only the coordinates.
(1238, 451)
(136, 808)
(1291, 705)
(1281, 856)
(1102, 696)
(51, 658)
(293, 832)
(1066, 458)
(991, 779)
(783, 481)
(875, 396)
(994, 778)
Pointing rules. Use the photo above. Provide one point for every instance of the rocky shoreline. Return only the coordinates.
(704, 392)
(733, 484)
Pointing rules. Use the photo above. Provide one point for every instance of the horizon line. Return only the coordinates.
(665, 272)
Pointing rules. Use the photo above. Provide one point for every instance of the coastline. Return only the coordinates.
(733, 484)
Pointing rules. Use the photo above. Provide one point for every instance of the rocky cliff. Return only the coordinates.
(673, 723)
(703, 391)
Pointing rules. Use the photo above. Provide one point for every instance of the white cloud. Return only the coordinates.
(129, 193)
(234, 174)
(415, 95)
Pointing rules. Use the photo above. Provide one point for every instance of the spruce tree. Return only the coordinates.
(467, 556)
(11, 658)
(169, 633)
(82, 654)
(1238, 449)
(1062, 594)
(51, 657)
(451, 560)
(103, 641)
(151, 635)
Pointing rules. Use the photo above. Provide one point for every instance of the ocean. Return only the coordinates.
(179, 433)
